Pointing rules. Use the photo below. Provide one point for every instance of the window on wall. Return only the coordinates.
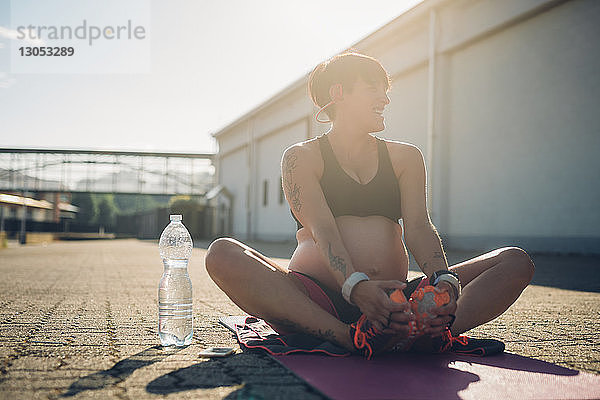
(265, 192)
(281, 195)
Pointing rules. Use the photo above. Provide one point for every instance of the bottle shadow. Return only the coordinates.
(120, 371)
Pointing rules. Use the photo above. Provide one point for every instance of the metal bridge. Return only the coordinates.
(99, 171)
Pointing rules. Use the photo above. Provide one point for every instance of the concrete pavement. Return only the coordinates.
(78, 320)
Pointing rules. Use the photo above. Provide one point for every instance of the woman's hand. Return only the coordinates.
(373, 300)
(445, 314)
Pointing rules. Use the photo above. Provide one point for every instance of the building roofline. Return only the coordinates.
(412, 13)
(107, 152)
(298, 83)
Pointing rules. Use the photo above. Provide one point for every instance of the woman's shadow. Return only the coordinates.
(248, 368)
(418, 371)
(240, 369)
(120, 371)
(208, 374)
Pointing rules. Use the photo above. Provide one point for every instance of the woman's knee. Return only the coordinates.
(520, 262)
(220, 256)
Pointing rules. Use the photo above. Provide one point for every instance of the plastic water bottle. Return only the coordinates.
(175, 287)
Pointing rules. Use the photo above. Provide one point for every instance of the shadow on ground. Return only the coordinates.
(258, 378)
(258, 375)
(120, 371)
(572, 272)
(207, 374)
(561, 271)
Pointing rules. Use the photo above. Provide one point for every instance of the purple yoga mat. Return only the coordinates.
(447, 376)
(442, 376)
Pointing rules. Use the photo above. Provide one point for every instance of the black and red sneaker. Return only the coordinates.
(367, 339)
(466, 345)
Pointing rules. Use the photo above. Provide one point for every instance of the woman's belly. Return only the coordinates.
(374, 244)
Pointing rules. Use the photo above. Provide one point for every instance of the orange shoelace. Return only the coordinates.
(361, 338)
(450, 340)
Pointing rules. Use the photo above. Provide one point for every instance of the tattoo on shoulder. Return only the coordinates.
(436, 255)
(336, 262)
(292, 189)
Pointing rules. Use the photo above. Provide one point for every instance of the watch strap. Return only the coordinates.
(447, 276)
(349, 284)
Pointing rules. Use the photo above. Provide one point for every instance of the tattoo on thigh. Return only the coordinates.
(327, 335)
(290, 187)
(286, 324)
(336, 262)
(294, 327)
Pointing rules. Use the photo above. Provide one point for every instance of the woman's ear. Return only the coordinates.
(335, 92)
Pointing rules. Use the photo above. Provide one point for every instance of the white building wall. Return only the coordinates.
(510, 119)
(524, 134)
(234, 176)
(274, 221)
(406, 115)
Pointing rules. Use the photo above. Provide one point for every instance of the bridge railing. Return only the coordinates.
(99, 171)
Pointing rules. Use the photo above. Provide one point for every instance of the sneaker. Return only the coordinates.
(367, 339)
(466, 345)
(397, 296)
(421, 303)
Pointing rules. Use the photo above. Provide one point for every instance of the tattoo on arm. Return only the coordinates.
(336, 262)
(436, 256)
(292, 189)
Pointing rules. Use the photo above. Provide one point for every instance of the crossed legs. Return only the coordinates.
(266, 290)
(491, 283)
(260, 287)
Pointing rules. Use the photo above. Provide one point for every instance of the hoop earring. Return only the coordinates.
(321, 109)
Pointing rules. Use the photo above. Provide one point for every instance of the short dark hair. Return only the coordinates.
(344, 68)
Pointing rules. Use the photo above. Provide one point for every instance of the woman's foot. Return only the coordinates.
(458, 344)
(368, 340)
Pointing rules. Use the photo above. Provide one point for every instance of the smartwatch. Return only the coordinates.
(449, 276)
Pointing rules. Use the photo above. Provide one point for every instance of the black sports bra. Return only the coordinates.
(345, 196)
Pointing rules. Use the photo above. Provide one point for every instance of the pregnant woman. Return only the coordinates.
(347, 189)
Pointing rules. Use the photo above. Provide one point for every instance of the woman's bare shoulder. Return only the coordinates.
(402, 154)
(306, 152)
(399, 148)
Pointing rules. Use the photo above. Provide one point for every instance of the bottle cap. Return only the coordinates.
(175, 217)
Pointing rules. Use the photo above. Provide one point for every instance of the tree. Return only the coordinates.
(128, 204)
(106, 212)
(87, 207)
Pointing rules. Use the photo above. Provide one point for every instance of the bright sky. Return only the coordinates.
(212, 61)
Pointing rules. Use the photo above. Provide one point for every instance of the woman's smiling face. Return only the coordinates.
(365, 104)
